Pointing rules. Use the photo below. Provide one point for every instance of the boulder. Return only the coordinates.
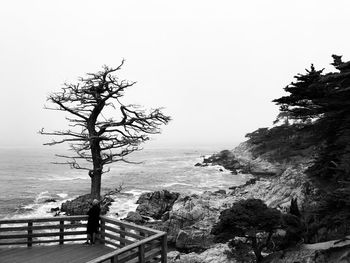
(82, 204)
(224, 158)
(191, 238)
(215, 254)
(155, 204)
(134, 217)
(191, 220)
(255, 165)
(221, 192)
(54, 209)
(50, 200)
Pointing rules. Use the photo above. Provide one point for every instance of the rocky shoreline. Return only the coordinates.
(188, 219)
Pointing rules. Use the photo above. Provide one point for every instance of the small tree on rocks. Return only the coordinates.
(251, 220)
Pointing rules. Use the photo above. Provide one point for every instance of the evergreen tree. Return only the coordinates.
(250, 219)
(321, 102)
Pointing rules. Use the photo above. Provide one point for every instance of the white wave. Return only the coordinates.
(66, 178)
(122, 205)
(174, 184)
(62, 195)
(41, 208)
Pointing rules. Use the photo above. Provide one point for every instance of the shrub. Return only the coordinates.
(251, 220)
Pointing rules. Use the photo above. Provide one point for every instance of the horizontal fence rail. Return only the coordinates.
(31, 231)
(132, 243)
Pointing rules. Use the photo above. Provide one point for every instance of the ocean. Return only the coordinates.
(28, 178)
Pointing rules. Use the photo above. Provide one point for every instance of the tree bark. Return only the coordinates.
(96, 173)
(256, 249)
(96, 185)
(94, 138)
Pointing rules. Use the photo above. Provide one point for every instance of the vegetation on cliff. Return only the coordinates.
(315, 126)
(250, 219)
(251, 225)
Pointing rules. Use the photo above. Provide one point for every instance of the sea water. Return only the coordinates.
(28, 178)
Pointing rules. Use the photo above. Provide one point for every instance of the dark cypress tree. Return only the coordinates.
(321, 102)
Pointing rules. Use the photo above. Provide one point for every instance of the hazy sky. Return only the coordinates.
(214, 65)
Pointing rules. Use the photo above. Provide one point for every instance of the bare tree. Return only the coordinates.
(93, 136)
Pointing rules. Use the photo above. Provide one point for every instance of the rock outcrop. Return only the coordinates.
(225, 159)
(82, 204)
(134, 217)
(191, 217)
(189, 220)
(215, 254)
(156, 204)
(241, 160)
(325, 252)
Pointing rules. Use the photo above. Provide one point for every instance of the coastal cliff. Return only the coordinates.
(188, 219)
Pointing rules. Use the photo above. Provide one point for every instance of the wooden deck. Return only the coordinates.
(21, 240)
(72, 253)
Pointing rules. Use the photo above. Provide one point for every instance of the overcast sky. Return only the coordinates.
(214, 65)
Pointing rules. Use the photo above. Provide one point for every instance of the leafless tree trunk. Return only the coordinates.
(93, 136)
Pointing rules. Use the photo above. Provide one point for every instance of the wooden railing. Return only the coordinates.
(31, 231)
(132, 243)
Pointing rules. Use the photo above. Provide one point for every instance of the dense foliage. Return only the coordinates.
(250, 219)
(315, 118)
(315, 125)
(283, 143)
(322, 101)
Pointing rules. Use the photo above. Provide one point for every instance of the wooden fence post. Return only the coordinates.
(142, 253)
(122, 235)
(114, 259)
(164, 248)
(30, 233)
(102, 231)
(61, 232)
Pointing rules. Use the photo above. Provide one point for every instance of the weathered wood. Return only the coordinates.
(156, 260)
(146, 245)
(127, 248)
(122, 241)
(146, 230)
(142, 253)
(107, 241)
(152, 245)
(72, 253)
(122, 236)
(50, 234)
(153, 253)
(164, 248)
(19, 228)
(30, 232)
(128, 256)
(126, 233)
(114, 259)
(61, 232)
(102, 231)
(42, 219)
(10, 243)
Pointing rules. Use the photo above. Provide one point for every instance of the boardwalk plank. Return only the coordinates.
(74, 253)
